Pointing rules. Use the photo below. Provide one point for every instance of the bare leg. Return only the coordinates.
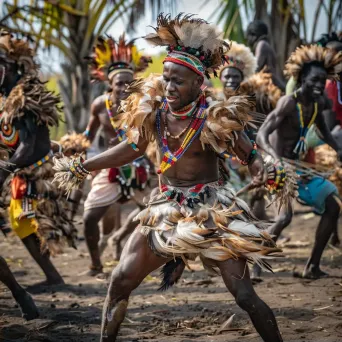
(74, 201)
(127, 228)
(258, 205)
(235, 275)
(136, 263)
(111, 222)
(32, 244)
(25, 301)
(327, 225)
(282, 221)
(91, 220)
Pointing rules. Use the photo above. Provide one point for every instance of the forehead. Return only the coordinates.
(316, 71)
(175, 70)
(231, 71)
(122, 77)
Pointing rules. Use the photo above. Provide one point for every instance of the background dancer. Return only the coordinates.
(115, 62)
(36, 209)
(283, 136)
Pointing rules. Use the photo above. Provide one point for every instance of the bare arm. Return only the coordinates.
(261, 53)
(94, 121)
(272, 122)
(116, 156)
(243, 148)
(326, 134)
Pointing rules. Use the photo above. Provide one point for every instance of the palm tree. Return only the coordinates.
(286, 19)
(70, 28)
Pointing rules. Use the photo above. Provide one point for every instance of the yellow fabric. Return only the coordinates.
(24, 227)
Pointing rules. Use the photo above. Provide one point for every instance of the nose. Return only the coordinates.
(169, 87)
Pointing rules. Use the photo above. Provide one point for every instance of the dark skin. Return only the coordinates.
(25, 301)
(278, 136)
(34, 144)
(231, 78)
(265, 56)
(99, 117)
(182, 86)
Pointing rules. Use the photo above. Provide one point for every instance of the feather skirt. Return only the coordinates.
(54, 227)
(206, 220)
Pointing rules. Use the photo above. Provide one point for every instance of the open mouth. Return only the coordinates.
(317, 91)
(171, 98)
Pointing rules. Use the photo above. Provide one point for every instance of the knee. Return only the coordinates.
(89, 219)
(332, 207)
(247, 300)
(122, 283)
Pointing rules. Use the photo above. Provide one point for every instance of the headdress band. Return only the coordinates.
(187, 60)
(116, 71)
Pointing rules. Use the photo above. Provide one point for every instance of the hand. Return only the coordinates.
(258, 172)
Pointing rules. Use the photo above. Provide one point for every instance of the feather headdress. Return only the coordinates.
(191, 42)
(18, 51)
(240, 57)
(110, 57)
(331, 61)
(266, 92)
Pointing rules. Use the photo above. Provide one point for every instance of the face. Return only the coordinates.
(181, 85)
(251, 37)
(313, 82)
(119, 84)
(231, 78)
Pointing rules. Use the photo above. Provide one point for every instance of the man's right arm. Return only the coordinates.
(272, 122)
(116, 156)
(94, 121)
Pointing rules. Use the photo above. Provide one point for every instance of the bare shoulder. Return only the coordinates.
(263, 46)
(98, 105)
(286, 103)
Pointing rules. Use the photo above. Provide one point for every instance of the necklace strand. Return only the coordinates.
(301, 146)
(170, 158)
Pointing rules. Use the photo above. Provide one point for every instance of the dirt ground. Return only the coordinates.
(194, 310)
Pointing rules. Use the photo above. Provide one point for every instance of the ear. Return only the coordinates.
(199, 81)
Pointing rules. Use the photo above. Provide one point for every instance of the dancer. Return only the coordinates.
(36, 209)
(240, 66)
(114, 62)
(193, 212)
(283, 136)
(257, 32)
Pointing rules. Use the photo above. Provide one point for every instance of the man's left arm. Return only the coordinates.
(243, 149)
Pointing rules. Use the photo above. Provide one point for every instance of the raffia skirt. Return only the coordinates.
(206, 220)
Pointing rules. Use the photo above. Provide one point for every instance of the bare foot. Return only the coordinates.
(94, 271)
(27, 306)
(335, 241)
(311, 273)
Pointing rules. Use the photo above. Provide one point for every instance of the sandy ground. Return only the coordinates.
(194, 310)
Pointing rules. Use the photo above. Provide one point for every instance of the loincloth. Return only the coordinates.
(124, 183)
(33, 204)
(206, 220)
(314, 190)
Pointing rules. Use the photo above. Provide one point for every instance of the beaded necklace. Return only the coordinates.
(301, 146)
(119, 132)
(186, 111)
(170, 158)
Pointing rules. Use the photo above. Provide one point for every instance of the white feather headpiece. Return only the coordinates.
(240, 57)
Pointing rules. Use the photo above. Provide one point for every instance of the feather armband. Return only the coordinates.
(70, 172)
